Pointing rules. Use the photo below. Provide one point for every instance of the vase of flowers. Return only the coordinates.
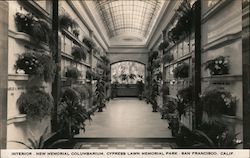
(218, 66)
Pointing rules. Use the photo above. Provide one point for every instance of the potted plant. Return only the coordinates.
(184, 100)
(218, 66)
(38, 29)
(167, 58)
(181, 71)
(165, 91)
(184, 24)
(71, 114)
(163, 45)
(100, 95)
(36, 103)
(218, 101)
(89, 42)
(66, 22)
(73, 73)
(79, 53)
(36, 64)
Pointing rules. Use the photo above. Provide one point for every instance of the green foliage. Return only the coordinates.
(100, 94)
(181, 71)
(218, 66)
(37, 64)
(79, 53)
(167, 58)
(216, 137)
(163, 45)
(35, 103)
(73, 73)
(38, 29)
(184, 25)
(71, 113)
(89, 42)
(65, 21)
(218, 101)
(185, 99)
(105, 60)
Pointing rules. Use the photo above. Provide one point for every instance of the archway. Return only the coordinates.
(127, 77)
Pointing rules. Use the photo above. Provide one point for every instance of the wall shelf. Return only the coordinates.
(16, 119)
(28, 39)
(75, 39)
(222, 78)
(72, 58)
(18, 77)
(222, 41)
(214, 9)
(184, 57)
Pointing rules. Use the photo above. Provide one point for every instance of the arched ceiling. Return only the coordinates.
(128, 17)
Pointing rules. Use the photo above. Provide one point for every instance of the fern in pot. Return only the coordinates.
(71, 114)
(89, 42)
(37, 104)
(218, 102)
(65, 22)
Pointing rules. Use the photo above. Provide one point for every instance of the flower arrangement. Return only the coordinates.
(184, 24)
(181, 71)
(167, 58)
(218, 66)
(39, 29)
(36, 64)
(73, 73)
(65, 21)
(218, 101)
(35, 103)
(79, 53)
(163, 45)
(89, 42)
(24, 22)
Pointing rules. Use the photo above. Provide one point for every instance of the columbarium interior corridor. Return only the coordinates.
(124, 74)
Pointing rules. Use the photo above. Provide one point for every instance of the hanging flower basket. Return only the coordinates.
(66, 22)
(163, 45)
(73, 73)
(89, 42)
(36, 104)
(79, 53)
(167, 58)
(218, 66)
(37, 64)
(218, 101)
(38, 29)
(181, 71)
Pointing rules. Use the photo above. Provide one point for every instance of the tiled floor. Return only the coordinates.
(126, 118)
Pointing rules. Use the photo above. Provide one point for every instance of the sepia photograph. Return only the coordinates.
(156, 75)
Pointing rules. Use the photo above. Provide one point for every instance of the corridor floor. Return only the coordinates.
(126, 118)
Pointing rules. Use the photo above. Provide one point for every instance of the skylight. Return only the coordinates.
(128, 16)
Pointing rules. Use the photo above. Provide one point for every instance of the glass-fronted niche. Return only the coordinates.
(127, 72)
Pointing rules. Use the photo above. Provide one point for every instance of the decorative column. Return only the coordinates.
(196, 64)
(4, 14)
(246, 72)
